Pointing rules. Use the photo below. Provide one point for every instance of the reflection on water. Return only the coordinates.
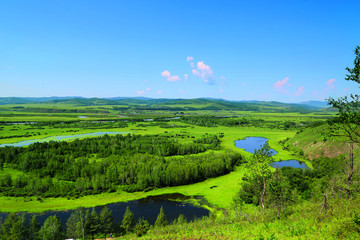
(289, 163)
(148, 207)
(250, 144)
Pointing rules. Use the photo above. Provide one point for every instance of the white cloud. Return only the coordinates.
(166, 74)
(204, 72)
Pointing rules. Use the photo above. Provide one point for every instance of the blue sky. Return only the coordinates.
(289, 51)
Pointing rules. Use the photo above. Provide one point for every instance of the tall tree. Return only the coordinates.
(346, 124)
(71, 226)
(106, 220)
(259, 169)
(34, 228)
(51, 230)
(94, 223)
(161, 219)
(128, 221)
(279, 191)
(83, 219)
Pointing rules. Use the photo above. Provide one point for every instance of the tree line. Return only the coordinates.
(211, 121)
(81, 224)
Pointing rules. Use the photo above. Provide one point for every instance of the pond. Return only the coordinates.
(59, 138)
(289, 163)
(250, 144)
(148, 208)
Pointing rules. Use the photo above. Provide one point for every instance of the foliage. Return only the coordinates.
(347, 125)
(34, 228)
(14, 227)
(51, 230)
(142, 227)
(181, 219)
(161, 219)
(133, 161)
(259, 172)
(93, 225)
(106, 220)
(128, 221)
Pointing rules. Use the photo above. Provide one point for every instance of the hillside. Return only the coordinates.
(313, 144)
(169, 104)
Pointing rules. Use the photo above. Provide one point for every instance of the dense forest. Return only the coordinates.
(102, 164)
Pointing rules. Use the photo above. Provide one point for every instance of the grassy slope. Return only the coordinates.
(304, 221)
(311, 142)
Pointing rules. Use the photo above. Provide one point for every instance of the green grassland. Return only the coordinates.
(226, 186)
(219, 197)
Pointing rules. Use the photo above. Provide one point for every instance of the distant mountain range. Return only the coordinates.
(321, 104)
(174, 104)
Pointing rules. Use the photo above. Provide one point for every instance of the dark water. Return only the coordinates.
(289, 163)
(250, 144)
(148, 207)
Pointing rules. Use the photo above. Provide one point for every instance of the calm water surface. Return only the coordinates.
(289, 163)
(250, 144)
(148, 208)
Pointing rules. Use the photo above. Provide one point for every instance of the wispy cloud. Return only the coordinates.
(189, 59)
(281, 85)
(324, 93)
(148, 89)
(159, 92)
(221, 90)
(186, 77)
(166, 74)
(331, 83)
(140, 92)
(204, 72)
(299, 91)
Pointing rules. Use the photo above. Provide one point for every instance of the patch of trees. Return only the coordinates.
(286, 186)
(58, 110)
(211, 121)
(131, 162)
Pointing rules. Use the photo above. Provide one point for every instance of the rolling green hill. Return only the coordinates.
(169, 104)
